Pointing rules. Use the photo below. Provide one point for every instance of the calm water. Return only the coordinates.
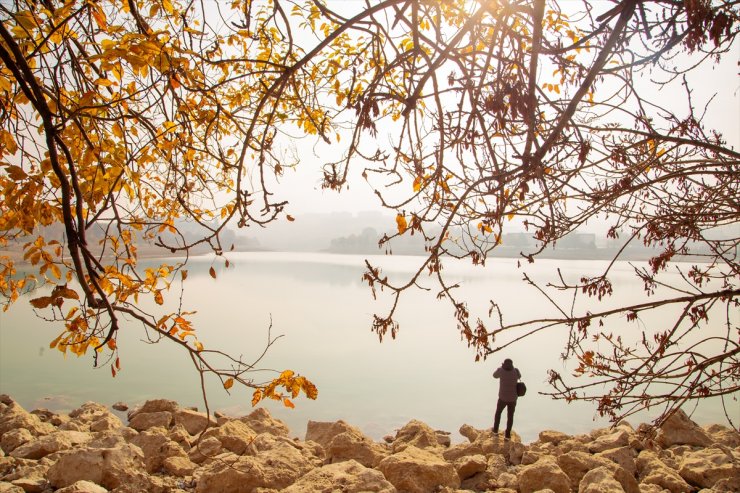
(324, 312)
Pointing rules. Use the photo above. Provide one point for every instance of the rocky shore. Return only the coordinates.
(164, 448)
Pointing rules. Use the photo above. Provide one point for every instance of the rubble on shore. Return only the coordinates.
(164, 448)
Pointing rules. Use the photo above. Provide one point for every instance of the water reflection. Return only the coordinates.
(320, 305)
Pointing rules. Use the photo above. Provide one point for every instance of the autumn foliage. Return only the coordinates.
(122, 119)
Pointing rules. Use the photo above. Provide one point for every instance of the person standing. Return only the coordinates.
(508, 377)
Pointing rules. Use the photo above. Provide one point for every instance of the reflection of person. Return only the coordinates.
(508, 376)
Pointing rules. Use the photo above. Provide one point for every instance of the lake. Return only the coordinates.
(323, 310)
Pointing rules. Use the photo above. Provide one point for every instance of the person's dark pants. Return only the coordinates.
(510, 406)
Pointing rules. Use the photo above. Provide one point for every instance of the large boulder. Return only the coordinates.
(53, 442)
(205, 450)
(111, 468)
(599, 480)
(678, 429)
(275, 468)
(416, 470)
(706, 467)
(261, 421)
(576, 464)
(193, 421)
(348, 477)
(157, 447)
(235, 436)
(143, 420)
(92, 416)
(322, 432)
(155, 406)
(552, 436)
(651, 470)
(13, 439)
(618, 438)
(723, 435)
(13, 416)
(417, 434)
(545, 473)
(342, 441)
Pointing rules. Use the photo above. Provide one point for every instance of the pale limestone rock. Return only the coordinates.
(508, 481)
(619, 438)
(193, 421)
(179, 466)
(111, 439)
(544, 473)
(341, 441)
(180, 435)
(552, 436)
(48, 444)
(723, 435)
(489, 479)
(623, 456)
(110, 468)
(234, 436)
(13, 416)
(145, 420)
(108, 422)
(416, 470)
(348, 477)
(652, 488)
(155, 406)
(599, 480)
(205, 449)
(470, 465)
(417, 434)
(266, 442)
(276, 468)
(323, 432)
(92, 414)
(486, 443)
(577, 464)
(678, 429)
(83, 487)
(32, 484)
(156, 447)
(261, 421)
(10, 488)
(469, 432)
(13, 439)
(652, 470)
(705, 467)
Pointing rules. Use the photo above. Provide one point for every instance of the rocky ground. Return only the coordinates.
(164, 448)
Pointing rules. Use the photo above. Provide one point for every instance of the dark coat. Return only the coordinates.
(508, 376)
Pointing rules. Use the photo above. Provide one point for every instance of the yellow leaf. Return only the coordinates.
(229, 383)
(256, 397)
(401, 223)
(198, 346)
(54, 343)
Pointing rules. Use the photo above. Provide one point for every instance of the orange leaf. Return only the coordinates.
(287, 403)
(401, 223)
(212, 272)
(290, 218)
(256, 397)
(42, 302)
(229, 383)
